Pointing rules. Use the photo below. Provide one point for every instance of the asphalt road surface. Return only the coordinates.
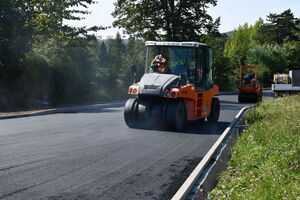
(94, 155)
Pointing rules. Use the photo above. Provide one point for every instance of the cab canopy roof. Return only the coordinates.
(178, 44)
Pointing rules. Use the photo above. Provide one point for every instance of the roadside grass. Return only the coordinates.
(265, 161)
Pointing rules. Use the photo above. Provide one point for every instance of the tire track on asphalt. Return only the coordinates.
(51, 179)
(102, 176)
(82, 150)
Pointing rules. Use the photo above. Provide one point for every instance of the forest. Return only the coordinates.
(44, 61)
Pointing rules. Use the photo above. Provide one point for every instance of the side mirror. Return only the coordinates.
(133, 70)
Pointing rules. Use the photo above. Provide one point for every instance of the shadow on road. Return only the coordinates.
(197, 127)
(229, 102)
(205, 128)
(228, 93)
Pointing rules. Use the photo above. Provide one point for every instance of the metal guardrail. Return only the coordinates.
(204, 177)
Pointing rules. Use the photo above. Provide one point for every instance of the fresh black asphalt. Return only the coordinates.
(93, 155)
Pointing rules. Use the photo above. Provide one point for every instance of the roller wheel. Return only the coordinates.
(144, 114)
(254, 98)
(130, 113)
(156, 116)
(215, 110)
(260, 97)
(241, 98)
(176, 115)
(201, 121)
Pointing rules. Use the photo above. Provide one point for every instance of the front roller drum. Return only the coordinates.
(253, 98)
(249, 97)
(242, 98)
(144, 114)
(156, 116)
(131, 113)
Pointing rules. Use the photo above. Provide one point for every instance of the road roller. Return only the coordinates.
(250, 90)
(177, 87)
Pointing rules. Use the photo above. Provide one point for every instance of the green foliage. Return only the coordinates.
(166, 20)
(70, 68)
(44, 59)
(37, 50)
(281, 28)
(243, 39)
(16, 32)
(115, 76)
(49, 17)
(273, 59)
(135, 55)
(274, 46)
(116, 50)
(230, 53)
(265, 161)
(223, 73)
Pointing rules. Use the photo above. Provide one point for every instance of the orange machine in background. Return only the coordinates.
(250, 90)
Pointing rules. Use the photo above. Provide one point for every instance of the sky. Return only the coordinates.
(232, 12)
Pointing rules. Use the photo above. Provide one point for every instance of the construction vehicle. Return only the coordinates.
(286, 84)
(183, 92)
(250, 90)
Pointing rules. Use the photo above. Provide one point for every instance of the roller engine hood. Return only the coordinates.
(155, 84)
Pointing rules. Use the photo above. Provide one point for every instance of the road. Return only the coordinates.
(93, 155)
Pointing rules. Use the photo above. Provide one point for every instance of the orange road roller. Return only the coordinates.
(177, 87)
(250, 90)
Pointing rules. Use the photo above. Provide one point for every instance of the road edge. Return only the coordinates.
(204, 177)
(71, 109)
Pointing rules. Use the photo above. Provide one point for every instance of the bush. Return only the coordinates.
(273, 59)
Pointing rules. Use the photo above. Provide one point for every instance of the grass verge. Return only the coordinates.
(265, 161)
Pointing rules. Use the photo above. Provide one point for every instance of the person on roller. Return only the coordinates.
(159, 64)
(249, 78)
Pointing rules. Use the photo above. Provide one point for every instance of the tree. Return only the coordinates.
(273, 46)
(103, 56)
(281, 28)
(274, 58)
(238, 45)
(26, 27)
(51, 15)
(116, 49)
(241, 41)
(171, 20)
(23, 22)
(103, 66)
(16, 32)
(257, 35)
(223, 72)
(134, 55)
